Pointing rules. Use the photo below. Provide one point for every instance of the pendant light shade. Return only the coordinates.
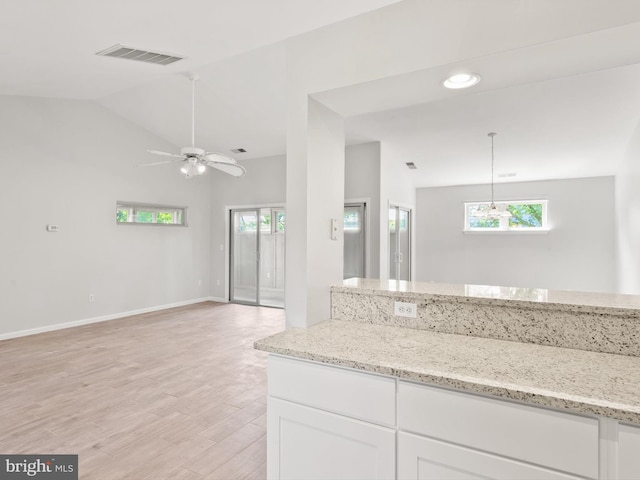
(491, 210)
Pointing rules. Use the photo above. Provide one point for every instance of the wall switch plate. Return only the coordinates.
(334, 229)
(92, 297)
(402, 309)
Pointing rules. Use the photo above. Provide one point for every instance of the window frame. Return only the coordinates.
(133, 208)
(504, 227)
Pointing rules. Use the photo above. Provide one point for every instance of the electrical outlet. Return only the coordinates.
(92, 297)
(402, 309)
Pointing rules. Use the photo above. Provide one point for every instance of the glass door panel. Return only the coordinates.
(271, 290)
(399, 243)
(393, 243)
(354, 240)
(244, 256)
(404, 245)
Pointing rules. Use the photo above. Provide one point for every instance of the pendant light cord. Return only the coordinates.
(492, 135)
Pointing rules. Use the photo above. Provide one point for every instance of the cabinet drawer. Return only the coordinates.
(347, 392)
(628, 451)
(544, 437)
(421, 458)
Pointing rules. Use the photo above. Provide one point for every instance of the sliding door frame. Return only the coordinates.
(228, 247)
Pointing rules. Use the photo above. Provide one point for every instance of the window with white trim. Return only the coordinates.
(130, 213)
(526, 216)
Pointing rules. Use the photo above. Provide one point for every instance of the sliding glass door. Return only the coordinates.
(399, 243)
(257, 256)
(354, 240)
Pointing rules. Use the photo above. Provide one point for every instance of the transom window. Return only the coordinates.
(128, 213)
(526, 215)
(271, 221)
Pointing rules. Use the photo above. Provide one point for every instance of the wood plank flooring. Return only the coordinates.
(178, 394)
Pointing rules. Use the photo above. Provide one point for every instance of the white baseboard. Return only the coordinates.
(218, 299)
(104, 318)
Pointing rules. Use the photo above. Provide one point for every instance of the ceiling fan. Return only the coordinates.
(196, 160)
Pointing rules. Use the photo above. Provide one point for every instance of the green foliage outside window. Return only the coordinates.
(525, 215)
(145, 217)
(164, 217)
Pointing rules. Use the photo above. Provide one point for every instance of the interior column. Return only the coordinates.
(315, 197)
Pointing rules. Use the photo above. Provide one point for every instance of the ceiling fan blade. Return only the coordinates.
(219, 158)
(230, 168)
(159, 163)
(156, 152)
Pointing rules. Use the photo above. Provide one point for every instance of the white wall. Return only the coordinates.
(577, 254)
(67, 162)
(396, 188)
(264, 184)
(362, 181)
(366, 48)
(627, 183)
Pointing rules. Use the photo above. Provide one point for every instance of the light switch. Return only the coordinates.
(53, 228)
(334, 229)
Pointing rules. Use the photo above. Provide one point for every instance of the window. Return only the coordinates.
(352, 219)
(392, 220)
(248, 223)
(526, 216)
(279, 216)
(129, 213)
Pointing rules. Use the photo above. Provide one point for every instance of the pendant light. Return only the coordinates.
(491, 211)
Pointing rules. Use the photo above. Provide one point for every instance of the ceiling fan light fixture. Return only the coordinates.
(196, 160)
(193, 168)
(462, 80)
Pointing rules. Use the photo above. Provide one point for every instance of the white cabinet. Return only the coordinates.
(546, 439)
(310, 444)
(628, 452)
(327, 423)
(422, 458)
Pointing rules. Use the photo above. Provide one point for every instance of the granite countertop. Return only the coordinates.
(574, 380)
(539, 298)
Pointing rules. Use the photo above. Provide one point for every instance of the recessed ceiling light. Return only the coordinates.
(462, 80)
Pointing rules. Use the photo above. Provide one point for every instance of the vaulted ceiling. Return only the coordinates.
(563, 108)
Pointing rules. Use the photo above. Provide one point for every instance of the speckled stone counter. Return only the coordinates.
(588, 321)
(575, 380)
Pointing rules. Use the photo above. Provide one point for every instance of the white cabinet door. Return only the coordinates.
(628, 453)
(304, 443)
(422, 458)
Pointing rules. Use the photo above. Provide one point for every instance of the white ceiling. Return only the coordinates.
(47, 47)
(561, 109)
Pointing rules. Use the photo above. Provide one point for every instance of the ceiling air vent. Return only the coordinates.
(238, 150)
(120, 51)
(411, 165)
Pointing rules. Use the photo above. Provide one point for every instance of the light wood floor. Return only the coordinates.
(178, 394)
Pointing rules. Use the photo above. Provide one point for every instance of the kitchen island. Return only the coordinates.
(484, 382)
